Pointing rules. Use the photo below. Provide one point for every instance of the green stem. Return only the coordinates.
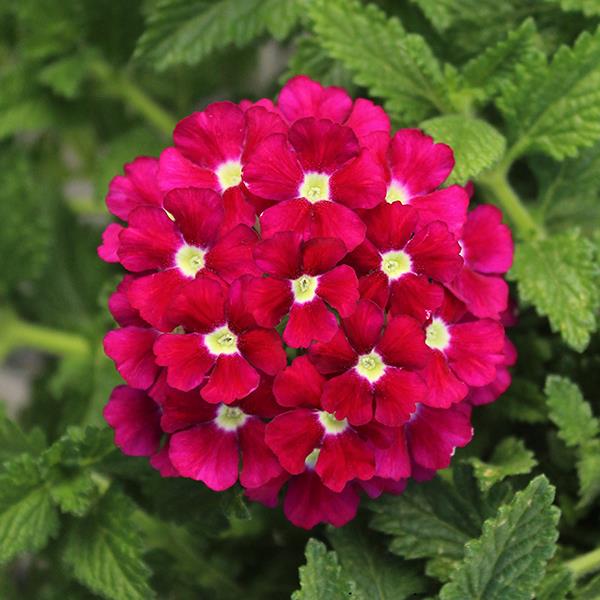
(119, 85)
(497, 185)
(585, 564)
(16, 333)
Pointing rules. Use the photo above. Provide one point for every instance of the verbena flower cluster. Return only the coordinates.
(307, 310)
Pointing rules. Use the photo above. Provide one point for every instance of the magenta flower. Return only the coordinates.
(307, 312)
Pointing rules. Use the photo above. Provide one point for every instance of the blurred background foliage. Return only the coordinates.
(86, 86)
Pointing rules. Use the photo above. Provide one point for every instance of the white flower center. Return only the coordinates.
(305, 288)
(396, 193)
(230, 418)
(190, 259)
(371, 366)
(332, 425)
(221, 341)
(315, 187)
(396, 263)
(229, 174)
(437, 334)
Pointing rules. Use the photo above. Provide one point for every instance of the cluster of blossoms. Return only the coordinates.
(306, 309)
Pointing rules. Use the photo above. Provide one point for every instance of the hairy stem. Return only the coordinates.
(119, 85)
(585, 564)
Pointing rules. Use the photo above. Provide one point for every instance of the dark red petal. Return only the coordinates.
(364, 258)
(344, 457)
(259, 464)
(263, 349)
(321, 254)
(336, 221)
(375, 287)
(448, 205)
(390, 226)
(268, 300)
(292, 436)
(403, 343)
(206, 453)
(416, 296)
(135, 418)
(120, 307)
(231, 257)
(260, 123)
(198, 214)
(363, 327)
(360, 183)
(268, 494)
(349, 396)
(131, 349)
(162, 463)
(176, 171)
(212, 136)
(309, 321)
(333, 357)
(393, 462)
(181, 410)
(291, 215)
(185, 357)
(443, 387)
(321, 145)
(396, 394)
(280, 255)
(339, 288)
(231, 379)
(238, 210)
(300, 384)
(484, 295)
(200, 306)
(261, 402)
(273, 170)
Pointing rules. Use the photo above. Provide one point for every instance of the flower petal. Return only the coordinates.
(108, 251)
(363, 327)
(231, 379)
(339, 288)
(279, 255)
(263, 349)
(268, 300)
(349, 396)
(300, 384)
(443, 387)
(336, 221)
(309, 321)
(321, 254)
(334, 356)
(176, 171)
(259, 464)
(181, 410)
(231, 257)
(396, 395)
(403, 343)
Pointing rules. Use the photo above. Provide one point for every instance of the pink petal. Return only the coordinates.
(396, 395)
(416, 296)
(181, 410)
(231, 257)
(339, 288)
(443, 387)
(360, 183)
(302, 97)
(390, 226)
(349, 396)
(321, 254)
(375, 287)
(150, 242)
(176, 171)
(268, 494)
(131, 349)
(139, 187)
(135, 418)
(292, 436)
(365, 257)
(261, 402)
(308, 502)
(213, 136)
(309, 321)
(259, 464)
(268, 300)
(344, 457)
(162, 463)
(300, 384)
(120, 308)
(487, 243)
(238, 210)
(231, 379)
(366, 118)
(363, 327)
(336, 221)
(333, 357)
(263, 349)
(418, 163)
(448, 205)
(403, 343)
(393, 462)
(200, 306)
(206, 453)
(273, 171)
(290, 215)
(435, 252)
(492, 391)
(198, 214)
(280, 255)
(185, 357)
(484, 295)
(153, 295)
(434, 434)
(260, 123)
(108, 250)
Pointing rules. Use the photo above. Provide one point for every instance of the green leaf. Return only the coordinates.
(435, 520)
(27, 516)
(510, 457)
(322, 577)
(589, 8)
(184, 31)
(66, 75)
(394, 65)
(477, 145)
(557, 583)
(104, 551)
(378, 574)
(570, 412)
(509, 559)
(559, 276)
(13, 441)
(555, 108)
(76, 493)
(588, 471)
(590, 591)
(496, 66)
